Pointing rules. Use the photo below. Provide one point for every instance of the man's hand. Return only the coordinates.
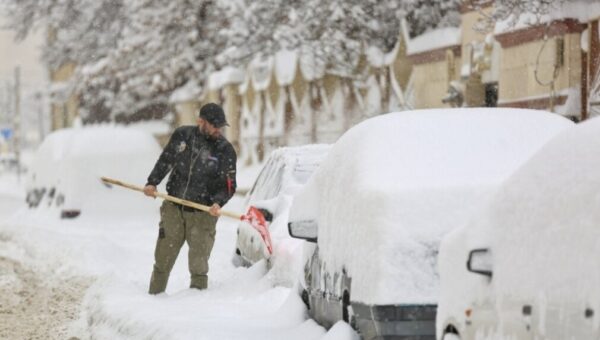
(150, 190)
(215, 210)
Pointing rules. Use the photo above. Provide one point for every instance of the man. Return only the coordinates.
(202, 166)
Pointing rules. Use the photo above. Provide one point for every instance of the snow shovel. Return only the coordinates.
(254, 217)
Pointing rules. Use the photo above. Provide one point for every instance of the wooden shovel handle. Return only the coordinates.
(171, 198)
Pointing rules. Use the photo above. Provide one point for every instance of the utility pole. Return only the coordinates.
(40, 102)
(17, 121)
(7, 103)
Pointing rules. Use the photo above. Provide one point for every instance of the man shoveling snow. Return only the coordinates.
(202, 166)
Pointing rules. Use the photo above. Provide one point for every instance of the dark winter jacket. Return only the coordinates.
(202, 168)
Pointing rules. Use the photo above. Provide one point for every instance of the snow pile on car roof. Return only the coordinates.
(546, 221)
(394, 185)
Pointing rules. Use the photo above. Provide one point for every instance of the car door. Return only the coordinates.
(249, 244)
(505, 319)
(570, 320)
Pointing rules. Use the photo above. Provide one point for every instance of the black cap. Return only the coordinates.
(213, 114)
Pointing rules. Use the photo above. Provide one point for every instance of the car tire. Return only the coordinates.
(451, 336)
(237, 260)
(305, 298)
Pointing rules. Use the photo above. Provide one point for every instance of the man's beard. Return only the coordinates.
(205, 131)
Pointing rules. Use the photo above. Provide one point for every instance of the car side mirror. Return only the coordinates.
(305, 230)
(480, 262)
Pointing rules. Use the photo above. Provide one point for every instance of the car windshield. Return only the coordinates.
(284, 168)
(268, 183)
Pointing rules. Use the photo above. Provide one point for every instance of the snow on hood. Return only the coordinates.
(545, 221)
(393, 185)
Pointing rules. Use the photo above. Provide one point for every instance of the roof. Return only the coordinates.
(435, 39)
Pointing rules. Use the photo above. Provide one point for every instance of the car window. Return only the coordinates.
(303, 171)
(268, 183)
(274, 176)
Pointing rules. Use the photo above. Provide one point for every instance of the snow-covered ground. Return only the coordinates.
(88, 278)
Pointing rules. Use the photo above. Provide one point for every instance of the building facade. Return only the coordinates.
(289, 99)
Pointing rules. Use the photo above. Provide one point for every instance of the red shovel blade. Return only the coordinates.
(258, 222)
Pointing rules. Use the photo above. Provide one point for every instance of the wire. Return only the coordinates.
(554, 72)
(537, 62)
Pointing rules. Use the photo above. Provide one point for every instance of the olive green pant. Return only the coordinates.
(176, 226)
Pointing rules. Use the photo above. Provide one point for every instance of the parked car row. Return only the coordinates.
(374, 213)
(9, 162)
(390, 190)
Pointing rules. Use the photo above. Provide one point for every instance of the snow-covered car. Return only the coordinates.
(286, 170)
(532, 255)
(8, 162)
(389, 190)
(64, 178)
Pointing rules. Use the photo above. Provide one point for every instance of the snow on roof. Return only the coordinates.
(243, 87)
(190, 91)
(582, 10)
(260, 72)
(286, 64)
(442, 37)
(377, 58)
(545, 221)
(226, 76)
(311, 66)
(393, 185)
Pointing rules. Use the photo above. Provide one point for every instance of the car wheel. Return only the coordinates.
(305, 298)
(451, 336)
(237, 260)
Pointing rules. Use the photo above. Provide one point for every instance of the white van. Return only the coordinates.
(384, 197)
(532, 256)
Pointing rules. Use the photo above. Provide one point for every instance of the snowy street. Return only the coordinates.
(315, 170)
(88, 278)
(34, 306)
